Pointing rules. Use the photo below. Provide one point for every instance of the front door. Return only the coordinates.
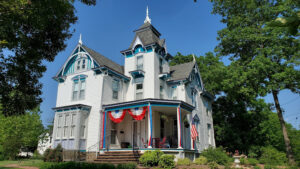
(134, 135)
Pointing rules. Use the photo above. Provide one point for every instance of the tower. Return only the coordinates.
(145, 59)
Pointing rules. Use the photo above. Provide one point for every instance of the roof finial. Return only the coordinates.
(80, 41)
(147, 16)
(194, 59)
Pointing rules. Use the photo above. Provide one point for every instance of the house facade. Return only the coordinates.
(145, 104)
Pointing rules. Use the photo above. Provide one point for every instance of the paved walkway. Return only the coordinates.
(17, 166)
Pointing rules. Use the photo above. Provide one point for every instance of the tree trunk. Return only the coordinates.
(288, 148)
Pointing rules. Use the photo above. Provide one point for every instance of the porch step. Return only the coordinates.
(118, 157)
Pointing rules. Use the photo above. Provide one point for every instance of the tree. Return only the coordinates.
(20, 131)
(264, 59)
(31, 31)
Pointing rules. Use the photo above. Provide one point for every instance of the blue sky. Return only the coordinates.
(108, 27)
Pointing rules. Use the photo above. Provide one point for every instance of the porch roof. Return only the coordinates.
(146, 102)
(72, 107)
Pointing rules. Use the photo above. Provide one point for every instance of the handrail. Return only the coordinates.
(96, 145)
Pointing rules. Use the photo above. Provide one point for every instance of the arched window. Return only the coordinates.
(81, 61)
(138, 49)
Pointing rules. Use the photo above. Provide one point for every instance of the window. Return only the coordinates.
(73, 122)
(78, 89)
(174, 92)
(83, 64)
(66, 125)
(59, 125)
(139, 62)
(83, 126)
(139, 91)
(161, 90)
(78, 65)
(160, 65)
(209, 133)
(194, 98)
(115, 89)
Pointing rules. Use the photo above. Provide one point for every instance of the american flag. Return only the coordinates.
(194, 132)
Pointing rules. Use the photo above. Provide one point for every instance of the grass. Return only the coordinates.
(26, 162)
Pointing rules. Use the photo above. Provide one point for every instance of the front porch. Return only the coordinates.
(147, 124)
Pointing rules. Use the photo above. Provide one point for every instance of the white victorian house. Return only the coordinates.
(145, 104)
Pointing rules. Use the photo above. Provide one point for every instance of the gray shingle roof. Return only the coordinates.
(104, 61)
(182, 71)
(148, 35)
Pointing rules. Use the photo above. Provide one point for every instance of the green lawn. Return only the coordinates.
(33, 163)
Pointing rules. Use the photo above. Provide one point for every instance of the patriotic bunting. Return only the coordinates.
(117, 116)
(138, 113)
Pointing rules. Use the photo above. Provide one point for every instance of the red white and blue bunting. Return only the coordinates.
(138, 113)
(117, 116)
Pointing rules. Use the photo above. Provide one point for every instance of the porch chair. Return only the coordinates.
(162, 144)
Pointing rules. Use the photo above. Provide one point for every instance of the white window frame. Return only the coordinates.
(66, 126)
(209, 128)
(139, 91)
(115, 90)
(137, 66)
(80, 90)
(73, 125)
(82, 65)
(59, 126)
(83, 124)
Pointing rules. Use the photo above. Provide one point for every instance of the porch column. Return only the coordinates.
(103, 129)
(150, 126)
(192, 140)
(179, 127)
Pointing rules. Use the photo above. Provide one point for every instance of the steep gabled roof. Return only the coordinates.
(181, 71)
(104, 61)
(148, 35)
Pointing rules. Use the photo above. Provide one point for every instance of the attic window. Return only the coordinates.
(138, 49)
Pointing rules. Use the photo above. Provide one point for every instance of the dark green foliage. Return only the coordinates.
(54, 155)
(200, 160)
(77, 165)
(184, 161)
(150, 158)
(31, 31)
(243, 161)
(216, 155)
(252, 161)
(263, 59)
(256, 167)
(271, 156)
(268, 166)
(18, 132)
(166, 161)
(127, 166)
(213, 165)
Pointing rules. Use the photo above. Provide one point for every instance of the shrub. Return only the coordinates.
(150, 158)
(77, 165)
(201, 160)
(54, 155)
(166, 161)
(256, 167)
(37, 155)
(216, 155)
(213, 165)
(252, 161)
(243, 161)
(127, 166)
(184, 161)
(272, 156)
(270, 167)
